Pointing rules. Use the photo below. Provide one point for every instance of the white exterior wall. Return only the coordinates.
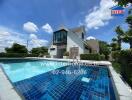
(52, 53)
(79, 35)
(74, 41)
(94, 44)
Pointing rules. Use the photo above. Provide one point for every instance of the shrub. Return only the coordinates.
(92, 57)
(102, 57)
(31, 55)
(117, 66)
(125, 59)
(9, 55)
(66, 54)
(115, 55)
(126, 55)
(12, 55)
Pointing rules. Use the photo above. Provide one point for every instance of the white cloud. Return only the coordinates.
(90, 38)
(47, 28)
(30, 27)
(36, 42)
(33, 36)
(8, 37)
(99, 15)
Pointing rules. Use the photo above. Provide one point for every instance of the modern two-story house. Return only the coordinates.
(72, 41)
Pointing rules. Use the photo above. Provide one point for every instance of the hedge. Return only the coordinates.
(10, 55)
(124, 57)
(126, 61)
(115, 55)
(92, 57)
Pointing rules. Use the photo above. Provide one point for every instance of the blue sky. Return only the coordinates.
(35, 20)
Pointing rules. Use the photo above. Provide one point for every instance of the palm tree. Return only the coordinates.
(129, 20)
(128, 37)
(114, 44)
(119, 33)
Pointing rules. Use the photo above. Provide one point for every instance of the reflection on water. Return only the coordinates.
(50, 86)
(26, 70)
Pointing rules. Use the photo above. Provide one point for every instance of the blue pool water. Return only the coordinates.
(24, 70)
(37, 81)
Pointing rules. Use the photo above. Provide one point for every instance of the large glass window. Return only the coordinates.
(60, 37)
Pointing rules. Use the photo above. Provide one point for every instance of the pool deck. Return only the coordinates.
(7, 92)
(122, 90)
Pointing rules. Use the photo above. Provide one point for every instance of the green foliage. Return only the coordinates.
(123, 2)
(66, 54)
(102, 57)
(104, 49)
(117, 66)
(129, 20)
(40, 50)
(124, 57)
(16, 48)
(119, 33)
(10, 55)
(114, 46)
(115, 55)
(91, 57)
(127, 37)
(122, 36)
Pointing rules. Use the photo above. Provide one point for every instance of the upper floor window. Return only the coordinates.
(82, 35)
(60, 37)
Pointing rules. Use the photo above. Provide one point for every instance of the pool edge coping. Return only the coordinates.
(121, 88)
(8, 89)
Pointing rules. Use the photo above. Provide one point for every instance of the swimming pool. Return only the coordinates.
(54, 80)
(24, 70)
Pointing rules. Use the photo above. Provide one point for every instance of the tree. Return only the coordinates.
(128, 37)
(16, 48)
(129, 20)
(104, 49)
(123, 2)
(39, 50)
(119, 33)
(114, 46)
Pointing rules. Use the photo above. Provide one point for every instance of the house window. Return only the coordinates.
(60, 37)
(82, 35)
(52, 48)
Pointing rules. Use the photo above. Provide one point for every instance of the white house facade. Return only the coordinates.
(69, 40)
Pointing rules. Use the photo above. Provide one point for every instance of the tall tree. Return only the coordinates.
(127, 37)
(123, 2)
(114, 44)
(104, 49)
(119, 33)
(39, 50)
(16, 48)
(129, 20)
